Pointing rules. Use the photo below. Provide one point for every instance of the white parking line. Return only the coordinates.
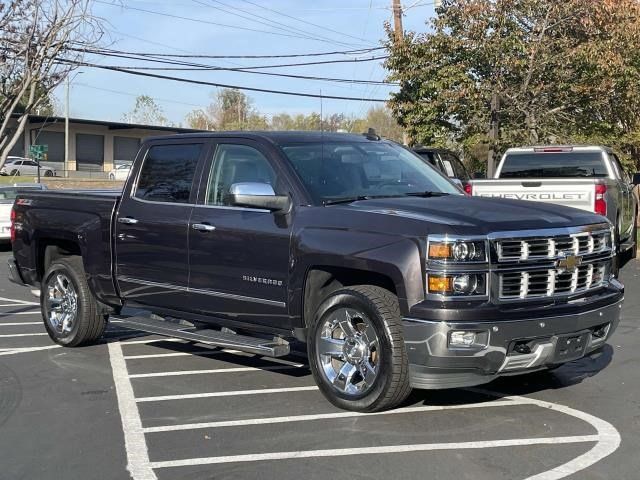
(326, 416)
(236, 393)
(422, 447)
(135, 445)
(608, 438)
(23, 335)
(13, 351)
(19, 302)
(215, 370)
(31, 312)
(17, 324)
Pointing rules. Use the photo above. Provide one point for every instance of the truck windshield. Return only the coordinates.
(341, 170)
(553, 165)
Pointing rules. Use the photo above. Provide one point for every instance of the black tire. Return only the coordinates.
(391, 384)
(90, 319)
(48, 173)
(15, 173)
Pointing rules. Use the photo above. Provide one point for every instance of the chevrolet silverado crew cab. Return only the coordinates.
(590, 178)
(391, 275)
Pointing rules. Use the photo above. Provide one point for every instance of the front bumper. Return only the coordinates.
(548, 341)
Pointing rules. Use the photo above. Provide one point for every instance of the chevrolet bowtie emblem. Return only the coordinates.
(569, 263)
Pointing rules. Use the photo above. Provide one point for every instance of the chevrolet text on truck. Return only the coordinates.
(590, 178)
(352, 244)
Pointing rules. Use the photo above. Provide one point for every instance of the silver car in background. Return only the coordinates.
(7, 197)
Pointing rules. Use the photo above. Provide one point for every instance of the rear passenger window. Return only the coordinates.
(167, 173)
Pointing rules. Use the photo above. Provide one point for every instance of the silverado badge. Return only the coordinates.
(568, 263)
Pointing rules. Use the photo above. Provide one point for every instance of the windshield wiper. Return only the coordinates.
(355, 198)
(426, 194)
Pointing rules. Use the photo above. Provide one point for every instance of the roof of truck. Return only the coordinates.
(276, 136)
(560, 148)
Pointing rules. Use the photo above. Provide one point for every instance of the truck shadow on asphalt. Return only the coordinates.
(567, 375)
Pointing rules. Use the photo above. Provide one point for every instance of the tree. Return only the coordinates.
(41, 41)
(199, 120)
(511, 72)
(382, 121)
(146, 112)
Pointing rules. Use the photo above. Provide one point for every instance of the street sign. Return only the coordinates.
(38, 152)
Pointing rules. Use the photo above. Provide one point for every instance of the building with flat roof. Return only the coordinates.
(94, 145)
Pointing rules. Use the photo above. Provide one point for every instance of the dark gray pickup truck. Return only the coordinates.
(391, 276)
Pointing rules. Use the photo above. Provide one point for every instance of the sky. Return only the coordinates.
(239, 27)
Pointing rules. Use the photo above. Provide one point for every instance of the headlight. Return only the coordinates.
(462, 284)
(458, 251)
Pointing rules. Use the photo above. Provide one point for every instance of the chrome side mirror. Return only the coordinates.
(258, 195)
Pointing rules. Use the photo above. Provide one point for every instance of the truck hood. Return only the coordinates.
(475, 215)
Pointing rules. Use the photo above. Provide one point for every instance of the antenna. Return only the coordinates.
(321, 114)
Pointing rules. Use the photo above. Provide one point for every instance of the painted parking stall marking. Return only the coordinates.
(143, 464)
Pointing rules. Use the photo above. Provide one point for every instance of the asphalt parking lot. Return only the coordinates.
(144, 407)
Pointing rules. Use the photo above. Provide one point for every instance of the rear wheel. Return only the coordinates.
(48, 173)
(356, 349)
(71, 314)
(112, 176)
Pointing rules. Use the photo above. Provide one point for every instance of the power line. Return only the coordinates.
(303, 21)
(241, 70)
(360, 51)
(124, 54)
(271, 23)
(191, 66)
(215, 84)
(199, 20)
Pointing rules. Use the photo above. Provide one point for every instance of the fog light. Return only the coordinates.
(465, 284)
(462, 339)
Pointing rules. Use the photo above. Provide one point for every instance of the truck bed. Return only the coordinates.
(74, 217)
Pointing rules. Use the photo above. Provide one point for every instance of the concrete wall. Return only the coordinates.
(32, 130)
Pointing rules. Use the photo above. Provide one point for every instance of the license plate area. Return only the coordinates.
(570, 347)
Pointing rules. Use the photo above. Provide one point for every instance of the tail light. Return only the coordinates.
(468, 189)
(600, 205)
(13, 225)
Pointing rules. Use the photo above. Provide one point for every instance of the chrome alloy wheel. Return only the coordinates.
(349, 351)
(61, 304)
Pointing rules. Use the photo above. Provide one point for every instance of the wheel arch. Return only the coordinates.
(396, 267)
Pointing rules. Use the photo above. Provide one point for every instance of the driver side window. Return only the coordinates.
(236, 164)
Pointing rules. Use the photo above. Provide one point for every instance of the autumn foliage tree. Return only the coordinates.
(499, 73)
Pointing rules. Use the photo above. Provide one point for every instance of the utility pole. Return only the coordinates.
(397, 21)
(494, 130)
(66, 128)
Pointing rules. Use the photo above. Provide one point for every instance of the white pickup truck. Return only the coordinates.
(585, 177)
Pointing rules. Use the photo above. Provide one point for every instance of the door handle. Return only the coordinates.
(203, 227)
(127, 220)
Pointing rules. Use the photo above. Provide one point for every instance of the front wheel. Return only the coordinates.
(48, 173)
(356, 349)
(71, 314)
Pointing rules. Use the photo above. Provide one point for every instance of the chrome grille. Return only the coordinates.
(536, 248)
(551, 282)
